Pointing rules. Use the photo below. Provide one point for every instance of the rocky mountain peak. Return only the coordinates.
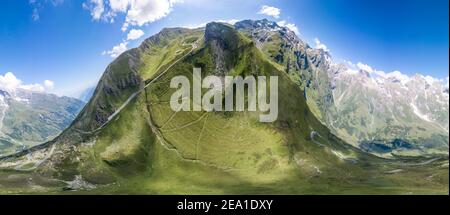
(254, 24)
(221, 32)
(264, 28)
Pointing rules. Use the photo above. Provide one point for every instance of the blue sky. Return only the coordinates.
(70, 42)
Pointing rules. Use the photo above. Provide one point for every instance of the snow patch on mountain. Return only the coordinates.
(419, 114)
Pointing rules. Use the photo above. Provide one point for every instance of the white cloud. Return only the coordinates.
(119, 5)
(320, 45)
(9, 82)
(270, 11)
(147, 11)
(135, 34)
(364, 67)
(49, 84)
(291, 26)
(96, 7)
(116, 50)
(33, 87)
(137, 12)
(38, 5)
(349, 63)
(380, 75)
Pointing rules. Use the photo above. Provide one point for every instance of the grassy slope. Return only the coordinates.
(227, 152)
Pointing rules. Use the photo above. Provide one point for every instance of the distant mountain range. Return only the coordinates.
(28, 118)
(377, 111)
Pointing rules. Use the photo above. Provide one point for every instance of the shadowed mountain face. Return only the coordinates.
(28, 118)
(366, 110)
(128, 140)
